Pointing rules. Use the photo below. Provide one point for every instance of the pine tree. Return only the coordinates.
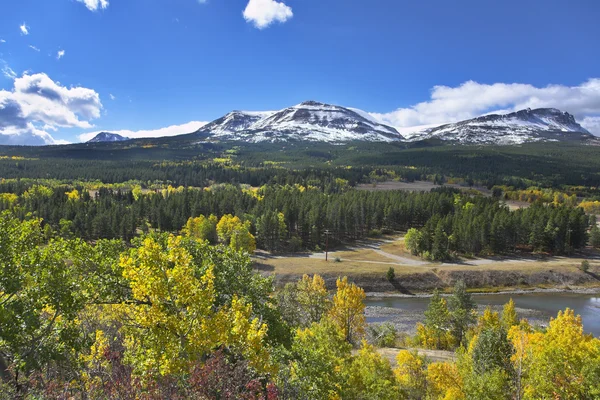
(462, 310)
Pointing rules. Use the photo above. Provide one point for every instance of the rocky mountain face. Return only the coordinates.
(310, 121)
(107, 137)
(539, 125)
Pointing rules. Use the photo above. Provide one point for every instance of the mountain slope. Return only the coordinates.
(542, 124)
(311, 121)
(103, 137)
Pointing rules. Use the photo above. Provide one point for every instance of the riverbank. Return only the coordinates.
(487, 291)
(537, 307)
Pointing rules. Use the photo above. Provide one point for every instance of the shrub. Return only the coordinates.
(375, 233)
(391, 274)
(585, 266)
(295, 244)
(383, 335)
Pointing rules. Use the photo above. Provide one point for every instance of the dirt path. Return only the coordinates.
(399, 260)
(433, 355)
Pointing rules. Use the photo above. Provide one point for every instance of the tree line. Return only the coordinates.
(441, 223)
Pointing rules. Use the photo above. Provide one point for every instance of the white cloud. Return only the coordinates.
(172, 130)
(24, 29)
(263, 13)
(94, 5)
(37, 104)
(32, 47)
(8, 72)
(60, 54)
(2, 41)
(592, 124)
(112, 97)
(472, 99)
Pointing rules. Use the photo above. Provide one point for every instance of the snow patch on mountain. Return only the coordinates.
(107, 137)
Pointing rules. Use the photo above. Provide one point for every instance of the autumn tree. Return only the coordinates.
(173, 321)
(202, 228)
(320, 354)
(236, 234)
(370, 376)
(564, 361)
(509, 315)
(411, 374)
(347, 311)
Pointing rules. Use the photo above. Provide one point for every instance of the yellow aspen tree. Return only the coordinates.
(411, 373)
(312, 297)
(172, 322)
(509, 315)
(348, 309)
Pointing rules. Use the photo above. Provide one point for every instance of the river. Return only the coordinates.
(538, 307)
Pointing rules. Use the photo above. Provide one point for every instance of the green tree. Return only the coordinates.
(412, 240)
(391, 274)
(39, 299)
(437, 328)
(439, 249)
(462, 311)
(595, 237)
(271, 230)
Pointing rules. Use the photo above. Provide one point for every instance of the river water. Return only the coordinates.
(541, 305)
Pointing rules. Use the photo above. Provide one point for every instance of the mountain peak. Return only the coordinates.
(310, 120)
(313, 103)
(537, 125)
(107, 137)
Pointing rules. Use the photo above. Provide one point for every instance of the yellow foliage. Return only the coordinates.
(348, 309)
(590, 207)
(430, 338)
(73, 195)
(444, 381)
(410, 372)
(173, 322)
(9, 198)
(312, 295)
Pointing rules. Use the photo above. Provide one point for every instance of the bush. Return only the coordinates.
(375, 233)
(391, 274)
(295, 244)
(383, 335)
(337, 259)
(585, 266)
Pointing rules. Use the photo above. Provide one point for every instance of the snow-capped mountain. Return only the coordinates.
(311, 121)
(107, 137)
(539, 125)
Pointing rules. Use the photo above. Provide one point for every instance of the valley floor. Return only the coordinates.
(367, 263)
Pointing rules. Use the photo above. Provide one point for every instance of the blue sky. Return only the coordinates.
(149, 64)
